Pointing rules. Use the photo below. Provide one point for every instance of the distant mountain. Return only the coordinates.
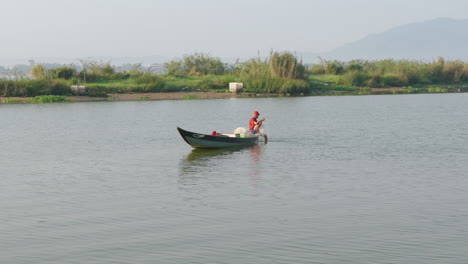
(421, 41)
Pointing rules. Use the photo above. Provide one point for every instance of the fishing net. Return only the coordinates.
(261, 130)
(241, 131)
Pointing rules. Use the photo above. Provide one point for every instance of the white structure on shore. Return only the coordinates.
(78, 89)
(235, 87)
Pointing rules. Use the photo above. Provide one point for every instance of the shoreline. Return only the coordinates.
(151, 97)
(160, 96)
(198, 96)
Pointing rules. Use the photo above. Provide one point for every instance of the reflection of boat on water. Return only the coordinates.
(201, 169)
(198, 140)
(197, 154)
(201, 161)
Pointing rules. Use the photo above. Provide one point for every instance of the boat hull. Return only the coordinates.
(198, 140)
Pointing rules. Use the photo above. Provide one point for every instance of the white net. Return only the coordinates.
(262, 129)
(241, 130)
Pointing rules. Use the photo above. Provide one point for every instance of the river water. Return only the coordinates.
(349, 179)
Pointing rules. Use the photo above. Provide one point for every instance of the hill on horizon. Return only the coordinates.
(426, 40)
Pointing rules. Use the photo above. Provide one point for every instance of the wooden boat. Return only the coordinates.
(224, 140)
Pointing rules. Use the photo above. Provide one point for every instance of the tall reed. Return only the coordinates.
(285, 65)
(259, 75)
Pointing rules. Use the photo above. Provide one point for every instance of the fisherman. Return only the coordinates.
(255, 125)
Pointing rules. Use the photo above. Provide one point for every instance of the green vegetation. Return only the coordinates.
(436, 90)
(48, 99)
(285, 65)
(328, 82)
(281, 73)
(24, 87)
(359, 74)
(143, 98)
(398, 73)
(196, 64)
(189, 97)
(198, 83)
(10, 101)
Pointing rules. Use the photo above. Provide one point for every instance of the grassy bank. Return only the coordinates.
(36, 100)
(133, 97)
(281, 73)
(390, 76)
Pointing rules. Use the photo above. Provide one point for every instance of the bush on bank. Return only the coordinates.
(34, 87)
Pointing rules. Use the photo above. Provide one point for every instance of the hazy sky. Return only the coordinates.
(224, 28)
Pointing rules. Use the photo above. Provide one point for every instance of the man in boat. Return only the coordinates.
(255, 125)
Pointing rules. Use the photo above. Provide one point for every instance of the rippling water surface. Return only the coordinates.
(369, 179)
